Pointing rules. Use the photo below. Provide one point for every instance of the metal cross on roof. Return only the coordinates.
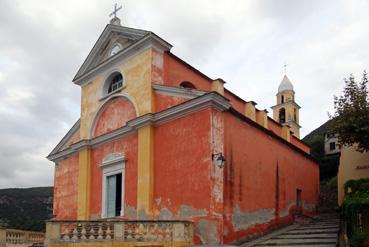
(116, 9)
(285, 68)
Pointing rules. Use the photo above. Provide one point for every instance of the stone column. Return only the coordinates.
(84, 178)
(2, 237)
(52, 233)
(145, 179)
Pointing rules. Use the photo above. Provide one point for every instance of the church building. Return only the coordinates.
(159, 141)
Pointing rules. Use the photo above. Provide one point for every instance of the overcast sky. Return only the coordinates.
(245, 42)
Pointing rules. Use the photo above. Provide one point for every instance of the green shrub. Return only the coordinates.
(357, 204)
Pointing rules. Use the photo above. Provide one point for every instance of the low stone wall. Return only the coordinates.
(19, 238)
(119, 233)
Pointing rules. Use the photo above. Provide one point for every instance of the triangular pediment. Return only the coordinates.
(111, 36)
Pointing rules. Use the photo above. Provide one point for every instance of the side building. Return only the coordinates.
(159, 145)
(353, 165)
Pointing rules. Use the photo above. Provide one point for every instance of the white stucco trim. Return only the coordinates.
(105, 84)
(112, 164)
(150, 40)
(180, 92)
(209, 100)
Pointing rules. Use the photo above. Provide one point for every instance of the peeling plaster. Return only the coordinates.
(130, 212)
(186, 212)
(244, 220)
(158, 201)
(142, 215)
(94, 217)
(207, 231)
(286, 211)
(165, 214)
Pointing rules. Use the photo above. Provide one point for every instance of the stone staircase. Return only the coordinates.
(320, 231)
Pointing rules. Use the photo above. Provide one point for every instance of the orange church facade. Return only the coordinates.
(159, 140)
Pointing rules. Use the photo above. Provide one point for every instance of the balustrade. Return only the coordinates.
(119, 231)
(18, 237)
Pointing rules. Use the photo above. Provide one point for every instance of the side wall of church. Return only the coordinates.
(163, 101)
(176, 71)
(65, 189)
(183, 187)
(260, 190)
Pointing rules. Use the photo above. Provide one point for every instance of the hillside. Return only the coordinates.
(328, 164)
(26, 209)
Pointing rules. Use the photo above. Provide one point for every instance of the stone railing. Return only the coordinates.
(118, 231)
(12, 237)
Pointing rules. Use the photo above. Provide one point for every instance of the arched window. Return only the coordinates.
(282, 115)
(295, 114)
(282, 99)
(187, 84)
(115, 82)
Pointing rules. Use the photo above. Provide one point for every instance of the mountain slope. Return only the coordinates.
(328, 164)
(26, 209)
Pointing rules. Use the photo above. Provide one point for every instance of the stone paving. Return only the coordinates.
(321, 231)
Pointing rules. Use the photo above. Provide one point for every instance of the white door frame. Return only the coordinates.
(112, 164)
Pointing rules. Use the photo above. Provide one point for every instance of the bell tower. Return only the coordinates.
(286, 111)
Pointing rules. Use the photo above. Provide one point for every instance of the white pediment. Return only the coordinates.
(111, 35)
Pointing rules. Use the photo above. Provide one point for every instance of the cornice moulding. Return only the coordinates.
(178, 91)
(209, 100)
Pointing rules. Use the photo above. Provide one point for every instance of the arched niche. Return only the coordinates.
(115, 113)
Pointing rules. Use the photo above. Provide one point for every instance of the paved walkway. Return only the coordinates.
(321, 231)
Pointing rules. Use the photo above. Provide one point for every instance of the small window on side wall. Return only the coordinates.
(187, 84)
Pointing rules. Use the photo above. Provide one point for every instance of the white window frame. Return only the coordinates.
(111, 165)
(107, 80)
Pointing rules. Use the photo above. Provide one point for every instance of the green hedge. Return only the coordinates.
(357, 203)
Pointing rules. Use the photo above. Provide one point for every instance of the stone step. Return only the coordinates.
(303, 236)
(312, 231)
(309, 241)
(302, 245)
(316, 227)
(325, 222)
(319, 226)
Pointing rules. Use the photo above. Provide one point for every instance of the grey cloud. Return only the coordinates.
(43, 43)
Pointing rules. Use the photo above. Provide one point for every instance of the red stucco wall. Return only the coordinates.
(298, 143)
(65, 189)
(127, 146)
(236, 102)
(113, 115)
(252, 202)
(181, 163)
(176, 71)
(163, 101)
(183, 186)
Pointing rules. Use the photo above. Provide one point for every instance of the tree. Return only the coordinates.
(350, 120)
